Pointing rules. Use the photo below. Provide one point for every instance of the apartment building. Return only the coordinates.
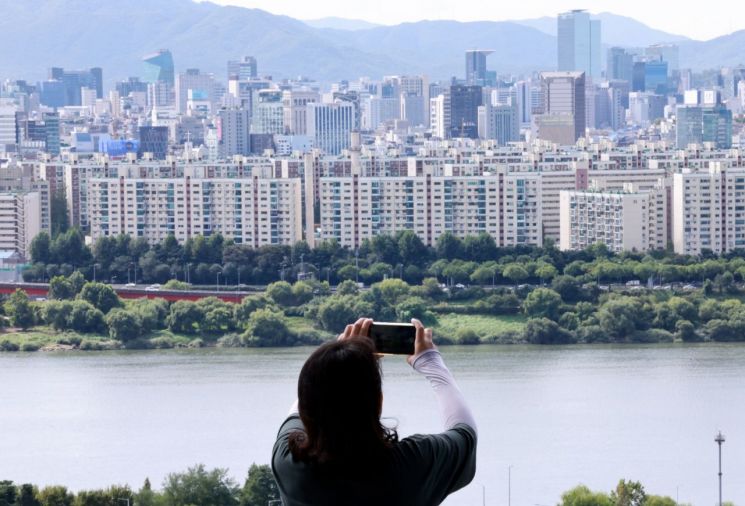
(708, 209)
(250, 210)
(628, 220)
(20, 221)
(357, 208)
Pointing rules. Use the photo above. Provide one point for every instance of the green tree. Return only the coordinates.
(40, 248)
(515, 273)
(281, 293)
(27, 496)
(336, 312)
(268, 328)
(629, 493)
(123, 325)
(55, 496)
(411, 248)
(618, 317)
(8, 493)
(545, 331)
(485, 273)
(347, 287)
(391, 290)
(249, 304)
(197, 486)
(448, 246)
(466, 336)
(583, 496)
(685, 331)
(19, 309)
(146, 496)
(302, 292)
(545, 272)
(58, 212)
(415, 307)
(60, 288)
(184, 317)
(543, 303)
(101, 295)
(260, 487)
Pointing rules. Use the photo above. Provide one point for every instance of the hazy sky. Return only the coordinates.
(693, 18)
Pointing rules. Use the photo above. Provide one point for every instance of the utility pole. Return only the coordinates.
(719, 440)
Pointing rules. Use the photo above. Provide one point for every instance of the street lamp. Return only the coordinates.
(219, 271)
(357, 265)
(719, 440)
(94, 272)
(509, 485)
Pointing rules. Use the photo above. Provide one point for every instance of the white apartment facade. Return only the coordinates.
(20, 221)
(708, 209)
(624, 221)
(250, 210)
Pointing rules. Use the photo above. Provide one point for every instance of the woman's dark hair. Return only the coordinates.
(340, 398)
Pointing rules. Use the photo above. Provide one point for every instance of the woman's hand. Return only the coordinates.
(360, 328)
(422, 341)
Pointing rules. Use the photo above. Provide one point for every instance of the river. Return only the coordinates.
(559, 416)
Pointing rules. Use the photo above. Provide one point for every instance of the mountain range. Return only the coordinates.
(115, 36)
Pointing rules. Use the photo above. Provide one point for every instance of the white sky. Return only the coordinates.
(698, 19)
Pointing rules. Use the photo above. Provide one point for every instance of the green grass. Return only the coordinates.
(484, 325)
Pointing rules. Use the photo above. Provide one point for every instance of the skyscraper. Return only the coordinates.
(564, 117)
(703, 122)
(242, 69)
(463, 103)
(330, 125)
(154, 139)
(579, 43)
(476, 66)
(159, 67)
(193, 80)
(233, 132)
(73, 80)
(619, 65)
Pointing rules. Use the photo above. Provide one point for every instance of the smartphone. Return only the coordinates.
(393, 338)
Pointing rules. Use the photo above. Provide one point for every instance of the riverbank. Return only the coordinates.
(46, 339)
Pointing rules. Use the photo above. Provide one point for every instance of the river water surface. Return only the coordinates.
(557, 416)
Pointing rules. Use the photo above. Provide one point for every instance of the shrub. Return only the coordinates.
(467, 336)
(6, 345)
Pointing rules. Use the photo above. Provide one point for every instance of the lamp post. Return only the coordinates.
(357, 265)
(217, 277)
(719, 440)
(94, 272)
(509, 485)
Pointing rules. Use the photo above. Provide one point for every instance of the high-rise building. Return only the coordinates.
(159, 67)
(696, 124)
(294, 104)
(499, 122)
(476, 72)
(73, 80)
(330, 125)
(233, 132)
(251, 210)
(624, 221)
(524, 91)
(638, 76)
(154, 140)
(438, 116)
(192, 79)
(665, 52)
(131, 84)
(579, 43)
(620, 64)
(7, 126)
(702, 210)
(646, 107)
(243, 69)
(463, 103)
(564, 115)
(20, 221)
(267, 116)
(655, 77)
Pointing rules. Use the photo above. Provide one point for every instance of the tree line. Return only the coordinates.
(211, 260)
(197, 485)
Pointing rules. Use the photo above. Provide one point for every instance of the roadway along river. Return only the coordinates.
(558, 416)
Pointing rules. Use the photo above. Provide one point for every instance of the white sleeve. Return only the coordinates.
(452, 403)
(294, 409)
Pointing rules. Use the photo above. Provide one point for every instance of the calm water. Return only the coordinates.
(558, 416)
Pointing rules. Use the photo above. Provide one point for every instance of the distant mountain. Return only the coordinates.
(722, 51)
(616, 30)
(86, 33)
(340, 23)
(38, 34)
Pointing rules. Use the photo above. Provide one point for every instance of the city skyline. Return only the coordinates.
(387, 12)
